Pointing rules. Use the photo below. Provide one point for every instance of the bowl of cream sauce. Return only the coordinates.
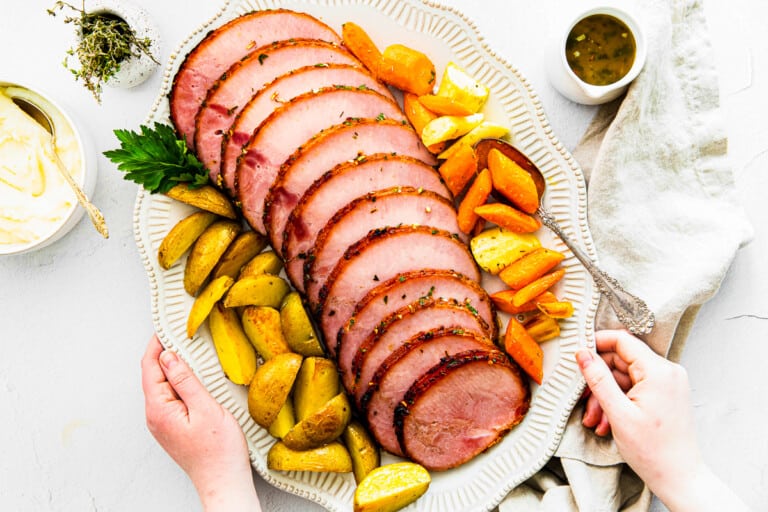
(37, 207)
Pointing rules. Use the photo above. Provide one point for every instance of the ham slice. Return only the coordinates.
(353, 140)
(222, 47)
(460, 408)
(426, 313)
(386, 208)
(229, 94)
(291, 126)
(401, 291)
(397, 373)
(380, 256)
(336, 188)
(272, 96)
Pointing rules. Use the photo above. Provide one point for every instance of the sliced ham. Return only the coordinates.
(354, 140)
(291, 126)
(401, 291)
(398, 372)
(336, 188)
(460, 408)
(226, 45)
(393, 207)
(282, 89)
(380, 256)
(229, 94)
(427, 313)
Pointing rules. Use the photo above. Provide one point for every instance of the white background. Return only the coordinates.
(75, 317)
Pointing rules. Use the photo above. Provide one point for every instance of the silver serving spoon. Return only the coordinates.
(41, 117)
(630, 310)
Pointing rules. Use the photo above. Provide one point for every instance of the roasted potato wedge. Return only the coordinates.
(242, 249)
(285, 420)
(297, 328)
(485, 130)
(322, 426)
(265, 263)
(205, 301)
(317, 382)
(458, 85)
(260, 290)
(333, 458)
(446, 128)
(364, 452)
(206, 253)
(496, 248)
(236, 354)
(181, 237)
(391, 487)
(262, 326)
(206, 198)
(271, 386)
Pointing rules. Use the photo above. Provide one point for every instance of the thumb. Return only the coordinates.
(602, 384)
(181, 378)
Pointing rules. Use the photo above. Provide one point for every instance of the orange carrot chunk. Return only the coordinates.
(476, 195)
(459, 169)
(420, 116)
(514, 182)
(524, 350)
(503, 302)
(537, 287)
(407, 69)
(444, 106)
(360, 44)
(508, 217)
(530, 267)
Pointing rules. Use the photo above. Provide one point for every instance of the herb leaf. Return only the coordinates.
(156, 159)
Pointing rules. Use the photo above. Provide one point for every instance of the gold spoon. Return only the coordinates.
(631, 311)
(41, 117)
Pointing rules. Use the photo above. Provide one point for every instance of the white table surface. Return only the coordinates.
(75, 317)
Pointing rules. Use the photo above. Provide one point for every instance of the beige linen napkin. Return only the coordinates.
(666, 223)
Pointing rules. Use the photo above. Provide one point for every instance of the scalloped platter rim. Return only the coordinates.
(445, 35)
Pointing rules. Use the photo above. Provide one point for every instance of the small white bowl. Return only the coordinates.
(85, 176)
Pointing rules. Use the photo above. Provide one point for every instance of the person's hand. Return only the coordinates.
(197, 432)
(652, 424)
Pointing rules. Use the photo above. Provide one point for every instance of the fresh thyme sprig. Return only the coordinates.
(105, 41)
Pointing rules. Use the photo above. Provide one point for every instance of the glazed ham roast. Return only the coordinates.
(323, 161)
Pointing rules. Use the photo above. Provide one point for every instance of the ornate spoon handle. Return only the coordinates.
(631, 311)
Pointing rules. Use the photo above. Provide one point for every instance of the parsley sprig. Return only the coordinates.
(157, 159)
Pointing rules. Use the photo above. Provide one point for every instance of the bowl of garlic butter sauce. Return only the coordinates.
(37, 207)
(596, 55)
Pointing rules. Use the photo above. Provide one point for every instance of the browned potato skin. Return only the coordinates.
(262, 326)
(317, 382)
(206, 253)
(364, 452)
(297, 328)
(206, 198)
(322, 426)
(181, 237)
(271, 386)
(265, 263)
(260, 290)
(247, 245)
(332, 457)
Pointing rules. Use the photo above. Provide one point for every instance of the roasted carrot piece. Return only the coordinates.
(537, 287)
(420, 116)
(530, 267)
(444, 106)
(360, 44)
(524, 350)
(514, 182)
(476, 195)
(503, 302)
(557, 309)
(542, 328)
(407, 69)
(508, 217)
(459, 169)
